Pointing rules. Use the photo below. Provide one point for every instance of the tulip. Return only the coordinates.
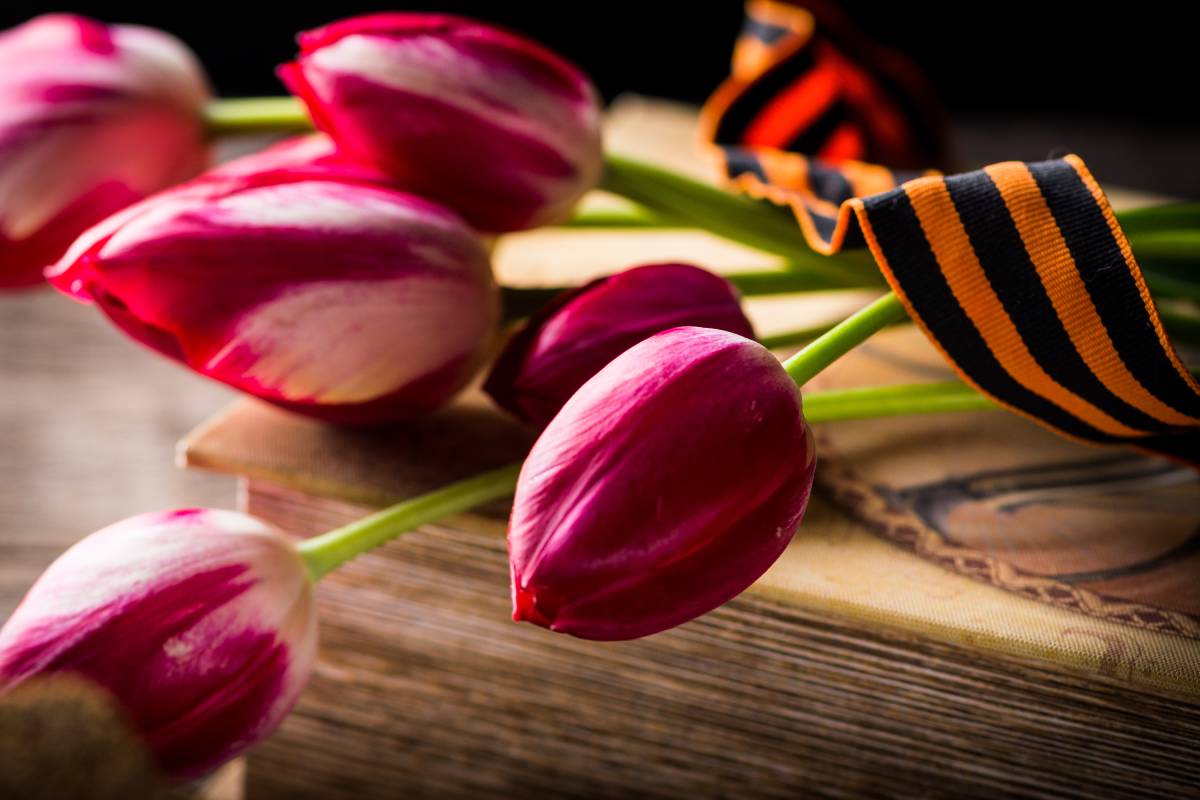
(92, 118)
(299, 282)
(567, 343)
(299, 158)
(491, 124)
(311, 157)
(200, 623)
(665, 486)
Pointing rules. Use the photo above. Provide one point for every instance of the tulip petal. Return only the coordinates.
(92, 118)
(666, 485)
(571, 340)
(300, 278)
(201, 623)
(495, 126)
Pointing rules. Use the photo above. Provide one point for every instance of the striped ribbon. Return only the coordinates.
(1018, 273)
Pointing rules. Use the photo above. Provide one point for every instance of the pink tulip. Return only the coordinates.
(201, 623)
(314, 156)
(295, 278)
(666, 485)
(567, 343)
(299, 158)
(92, 118)
(491, 124)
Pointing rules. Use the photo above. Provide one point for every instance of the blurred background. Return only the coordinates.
(1022, 78)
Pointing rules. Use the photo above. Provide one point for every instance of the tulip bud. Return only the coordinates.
(491, 124)
(298, 282)
(310, 157)
(666, 485)
(571, 340)
(200, 623)
(94, 117)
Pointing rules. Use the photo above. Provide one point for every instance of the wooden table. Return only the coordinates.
(88, 425)
(89, 421)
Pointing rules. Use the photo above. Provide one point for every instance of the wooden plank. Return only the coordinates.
(88, 424)
(427, 689)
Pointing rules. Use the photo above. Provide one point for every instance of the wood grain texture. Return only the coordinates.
(833, 565)
(425, 688)
(88, 424)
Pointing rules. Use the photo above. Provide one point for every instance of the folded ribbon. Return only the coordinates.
(1018, 273)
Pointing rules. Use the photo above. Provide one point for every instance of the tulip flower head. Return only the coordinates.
(666, 485)
(489, 123)
(200, 623)
(300, 282)
(92, 118)
(309, 157)
(567, 343)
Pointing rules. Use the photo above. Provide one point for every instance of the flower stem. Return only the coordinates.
(1165, 239)
(1183, 326)
(775, 341)
(1175, 246)
(789, 280)
(892, 401)
(1165, 217)
(679, 200)
(330, 550)
(327, 552)
(521, 301)
(241, 115)
(844, 337)
(631, 217)
(1165, 285)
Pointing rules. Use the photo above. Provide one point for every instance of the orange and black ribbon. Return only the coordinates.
(1018, 273)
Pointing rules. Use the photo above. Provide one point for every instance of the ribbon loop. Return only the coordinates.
(1018, 273)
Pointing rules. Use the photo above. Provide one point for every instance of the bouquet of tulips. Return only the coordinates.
(344, 274)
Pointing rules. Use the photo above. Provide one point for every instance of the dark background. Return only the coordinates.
(1021, 78)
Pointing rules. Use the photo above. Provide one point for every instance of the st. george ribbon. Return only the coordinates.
(1018, 273)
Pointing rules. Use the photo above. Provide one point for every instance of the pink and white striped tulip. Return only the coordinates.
(293, 277)
(666, 485)
(201, 623)
(310, 157)
(567, 343)
(92, 118)
(493, 125)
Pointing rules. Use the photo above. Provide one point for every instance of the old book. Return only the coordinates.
(972, 607)
(853, 667)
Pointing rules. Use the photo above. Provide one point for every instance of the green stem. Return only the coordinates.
(327, 552)
(330, 550)
(1166, 237)
(521, 301)
(844, 337)
(892, 401)
(790, 280)
(1182, 326)
(679, 200)
(1165, 217)
(631, 217)
(242, 115)
(1166, 285)
(1175, 246)
(775, 341)
(798, 336)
